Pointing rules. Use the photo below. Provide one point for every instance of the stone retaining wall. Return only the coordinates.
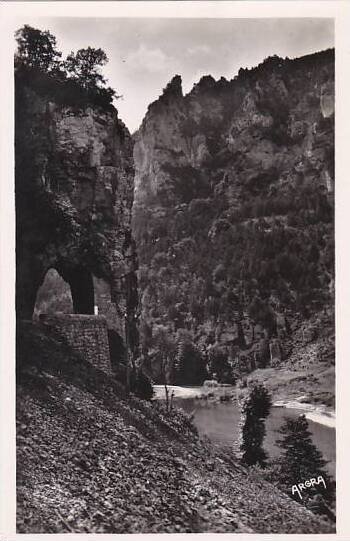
(86, 334)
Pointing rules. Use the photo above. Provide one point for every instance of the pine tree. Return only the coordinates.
(254, 409)
(189, 365)
(301, 461)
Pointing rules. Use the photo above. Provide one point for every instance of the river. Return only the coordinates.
(219, 421)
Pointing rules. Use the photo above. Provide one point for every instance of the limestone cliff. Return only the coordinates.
(74, 194)
(233, 211)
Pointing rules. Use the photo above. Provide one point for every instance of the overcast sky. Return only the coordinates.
(144, 54)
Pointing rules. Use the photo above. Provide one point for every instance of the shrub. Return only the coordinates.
(219, 366)
(141, 385)
(255, 408)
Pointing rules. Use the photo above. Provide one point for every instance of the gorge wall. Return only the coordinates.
(74, 195)
(233, 217)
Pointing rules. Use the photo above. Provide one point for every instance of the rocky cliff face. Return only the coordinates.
(74, 194)
(233, 211)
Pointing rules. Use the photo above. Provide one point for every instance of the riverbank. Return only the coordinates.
(218, 419)
(318, 413)
(311, 391)
(91, 459)
(200, 392)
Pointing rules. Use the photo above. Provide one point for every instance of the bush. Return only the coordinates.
(141, 385)
(254, 409)
(190, 365)
(219, 366)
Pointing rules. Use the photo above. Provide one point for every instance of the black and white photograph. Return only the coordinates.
(174, 189)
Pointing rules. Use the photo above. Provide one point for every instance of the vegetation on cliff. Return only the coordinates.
(76, 80)
(224, 282)
(74, 180)
(233, 214)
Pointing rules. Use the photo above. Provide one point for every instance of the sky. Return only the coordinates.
(144, 54)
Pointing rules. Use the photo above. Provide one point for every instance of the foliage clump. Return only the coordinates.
(76, 80)
(299, 462)
(255, 407)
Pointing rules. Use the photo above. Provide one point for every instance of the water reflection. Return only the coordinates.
(220, 422)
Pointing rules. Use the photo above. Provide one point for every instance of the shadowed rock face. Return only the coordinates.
(74, 193)
(234, 204)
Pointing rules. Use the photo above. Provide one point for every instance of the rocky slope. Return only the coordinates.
(233, 216)
(90, 460)
(307, 374)
(74, 193)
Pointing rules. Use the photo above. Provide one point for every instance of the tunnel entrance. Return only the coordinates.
(67, 292)
(53, 296)
(65, 305)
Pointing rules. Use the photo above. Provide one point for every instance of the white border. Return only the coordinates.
(340, 11)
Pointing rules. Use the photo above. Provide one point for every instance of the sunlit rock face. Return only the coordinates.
(327, 99)
(74, 194)
(233, 186)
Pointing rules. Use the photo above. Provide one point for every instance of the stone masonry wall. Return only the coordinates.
(86, 334)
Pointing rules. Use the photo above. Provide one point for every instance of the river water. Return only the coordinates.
(220, 423)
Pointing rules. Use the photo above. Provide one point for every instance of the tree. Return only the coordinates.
(38, 61)
(219, 365)
(166, 346)
(37, 49)
(141, 385)
(255, 407)
(261, 313)
(84, 67)
(300, 457)
(145, 331)
(190, 366)
(300, 461)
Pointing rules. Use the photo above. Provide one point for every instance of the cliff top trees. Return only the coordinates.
(37, 49)
(39, 62)
(83, 66)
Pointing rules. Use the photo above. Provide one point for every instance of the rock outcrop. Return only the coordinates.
(233, 212)
(74, 194)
